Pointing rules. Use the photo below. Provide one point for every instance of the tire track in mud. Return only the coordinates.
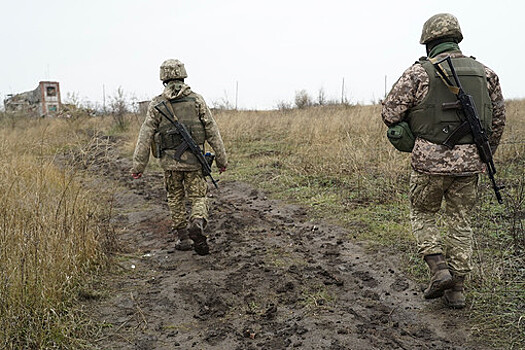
(274, 280)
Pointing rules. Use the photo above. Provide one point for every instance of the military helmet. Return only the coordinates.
(442, 25)
(172, 69)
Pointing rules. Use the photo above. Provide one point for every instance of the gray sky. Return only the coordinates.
(272, 48)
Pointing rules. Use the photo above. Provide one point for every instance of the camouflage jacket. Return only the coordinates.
(430, 158)
(152, 122)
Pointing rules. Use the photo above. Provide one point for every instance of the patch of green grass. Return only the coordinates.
(336, 163)
(375, 208)
(316, 298)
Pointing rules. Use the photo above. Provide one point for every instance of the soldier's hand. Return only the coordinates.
(221, 170)
(136, 176)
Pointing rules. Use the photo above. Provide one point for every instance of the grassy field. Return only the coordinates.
(334, 160)
(53, 233)
(337, 162)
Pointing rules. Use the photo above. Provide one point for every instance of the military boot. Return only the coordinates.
(455, 296)
(441, 279)
(196, 232)
(183, 240)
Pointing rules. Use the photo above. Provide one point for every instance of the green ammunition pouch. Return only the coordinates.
(156, 145)
(164, 140)
(401, 137)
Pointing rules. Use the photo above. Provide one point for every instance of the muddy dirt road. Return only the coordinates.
(274, 280)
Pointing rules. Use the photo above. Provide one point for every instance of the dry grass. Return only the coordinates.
(338, 162)
(332, 140)
(52, 231)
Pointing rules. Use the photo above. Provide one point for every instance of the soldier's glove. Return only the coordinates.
(136, 176)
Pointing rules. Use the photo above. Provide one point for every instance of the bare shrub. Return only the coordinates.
(321, 97)
(223, 103)
(302, 99)
(118, 107)
(284, 106)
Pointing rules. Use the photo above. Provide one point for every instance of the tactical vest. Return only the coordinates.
(430, 121)
(167, 139)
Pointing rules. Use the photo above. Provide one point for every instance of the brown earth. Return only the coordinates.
(275, 279)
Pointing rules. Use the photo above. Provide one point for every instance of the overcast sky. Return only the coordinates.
(272, 48)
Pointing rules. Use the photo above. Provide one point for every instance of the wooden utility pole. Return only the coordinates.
(385, 87)
(343, 92)
(104, 98)
(236, 93)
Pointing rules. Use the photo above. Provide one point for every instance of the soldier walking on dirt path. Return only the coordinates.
(421, 99)
(183, 174)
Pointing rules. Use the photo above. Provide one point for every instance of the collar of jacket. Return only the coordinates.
(443, 47)
(176, 89)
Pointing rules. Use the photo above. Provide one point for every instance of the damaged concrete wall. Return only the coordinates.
(43, 101)
(143, 107)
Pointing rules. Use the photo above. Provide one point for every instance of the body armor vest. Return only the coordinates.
(167, 139)
(430, 121)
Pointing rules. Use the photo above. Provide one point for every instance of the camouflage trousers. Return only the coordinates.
(460, 194)
(182, 185)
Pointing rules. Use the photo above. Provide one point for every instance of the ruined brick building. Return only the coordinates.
(42, 101)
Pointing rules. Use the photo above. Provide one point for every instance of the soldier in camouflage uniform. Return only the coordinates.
(183, 178)
(439, 172)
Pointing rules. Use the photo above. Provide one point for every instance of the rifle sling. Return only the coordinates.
(442, 72)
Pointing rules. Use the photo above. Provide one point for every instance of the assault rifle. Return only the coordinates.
(187, 143)
(471, 124)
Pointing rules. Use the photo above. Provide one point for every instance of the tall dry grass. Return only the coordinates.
(335, 145)
(336, 140)
(338, 162)
(52, 232)
(344, 139)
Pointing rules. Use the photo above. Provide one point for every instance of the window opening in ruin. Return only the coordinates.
(51, 91)
(52, 108)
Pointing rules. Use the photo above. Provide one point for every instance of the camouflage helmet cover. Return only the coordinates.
(172, 69)
(441, 25)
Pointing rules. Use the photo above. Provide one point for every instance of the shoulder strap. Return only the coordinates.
(452, 88)
(183, 99)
